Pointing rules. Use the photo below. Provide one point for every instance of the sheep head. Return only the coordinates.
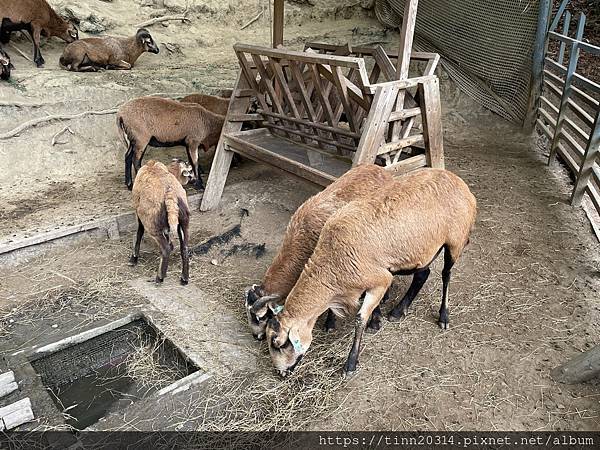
(260, 308)
(5, 66)
(70, 34)
(182, 170)
(288, 342)
(146, 41)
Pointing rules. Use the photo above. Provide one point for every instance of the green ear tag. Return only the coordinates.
(277, 309)
(297, 345)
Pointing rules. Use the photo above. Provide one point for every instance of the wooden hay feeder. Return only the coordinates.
(329, 108)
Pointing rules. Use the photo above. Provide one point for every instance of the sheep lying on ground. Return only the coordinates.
(163, 122)
(161, 207)
(401, 230)
(5, 65)
(108, 52)
(300, 240)
(36, 17)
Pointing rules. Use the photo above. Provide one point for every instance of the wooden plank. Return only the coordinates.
(245, 118)
(323, 96)
(586, 47)
(570, 140)
(404, 114)
(432, 123)
(273, 159)
(407, 165)
(354, 91)
(556, 66)
(7, 377)
(306, 57)
(376, 124)
(574, 55)
(399, 145)
(401, 84)
(589, 158)
(547, 131)
(566, 24)
(317, 125)
(278, 18)
(342, 89)
(16, 414)
(409, 19)
(385, 65)
(8, 388)
(310, 136)
(566, 155)
(222, 159)
(432, 64)
(287, 94)
(559, 13)
(586, 83)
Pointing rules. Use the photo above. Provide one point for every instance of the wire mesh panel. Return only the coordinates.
(485, 46)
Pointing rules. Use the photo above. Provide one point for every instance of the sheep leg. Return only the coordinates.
(374, 324)
(372, 299)
(165, 252)
(136, 247)
(185, 255)
(192, 152)
(330, 321)
(121, 65)
(444, 321)
(35, 33)
(134, 156)
(401, 310)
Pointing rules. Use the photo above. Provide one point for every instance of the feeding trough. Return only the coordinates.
(106, 369)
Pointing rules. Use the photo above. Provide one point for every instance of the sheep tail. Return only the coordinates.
(171, 204)
(122, 132)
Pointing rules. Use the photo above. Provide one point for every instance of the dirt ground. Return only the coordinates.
(524, 298)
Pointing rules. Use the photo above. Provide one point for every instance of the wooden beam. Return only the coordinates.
(589, 158)
(432, 123)
(222, 160)
(16, 414)
(278, 17)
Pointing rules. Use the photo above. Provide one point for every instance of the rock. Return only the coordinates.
(87, 20)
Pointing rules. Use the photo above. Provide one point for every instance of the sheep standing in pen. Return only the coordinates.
(300, 240)
(5, 65)
(163, 122)
(401, 230)
(218, 105)
(108, 52)
(161, 207)
(37, 18)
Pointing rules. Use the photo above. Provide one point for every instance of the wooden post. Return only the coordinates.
(537, 68)
(278, 8)
(561, 52)
(573, 58)
(589, 158)
(406, 40)
(583, 367)
(376, 124)
(431, 113)
(222, 160)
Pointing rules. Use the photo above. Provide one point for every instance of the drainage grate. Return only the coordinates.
(105, 373)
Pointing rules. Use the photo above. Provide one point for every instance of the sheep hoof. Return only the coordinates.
(329, 328)
(349, 373)
(183, 281)
(133, 260)
(40, 62)
(158, 280)
(396, 317)
(444, 325)
(373, 326)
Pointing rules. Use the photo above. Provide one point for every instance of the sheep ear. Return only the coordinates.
(279, 339)
(294, 337)
(263, 304)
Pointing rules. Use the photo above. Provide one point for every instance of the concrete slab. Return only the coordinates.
(200, 325)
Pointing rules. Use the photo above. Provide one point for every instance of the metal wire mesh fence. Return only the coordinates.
(485, 46)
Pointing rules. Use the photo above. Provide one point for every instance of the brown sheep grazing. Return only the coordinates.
(108, 52)
(161, 207)
(218, 105)
(163, 122)
(5, 65)
(300, 240)
(36, 17)
(401, 230)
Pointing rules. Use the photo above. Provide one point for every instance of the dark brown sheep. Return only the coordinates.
(37, 18)
(5, 65)
(218, 105)
(163, 122)
(161, 207)
(108, 52)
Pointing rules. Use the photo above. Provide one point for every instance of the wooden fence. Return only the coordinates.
(569, 109)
